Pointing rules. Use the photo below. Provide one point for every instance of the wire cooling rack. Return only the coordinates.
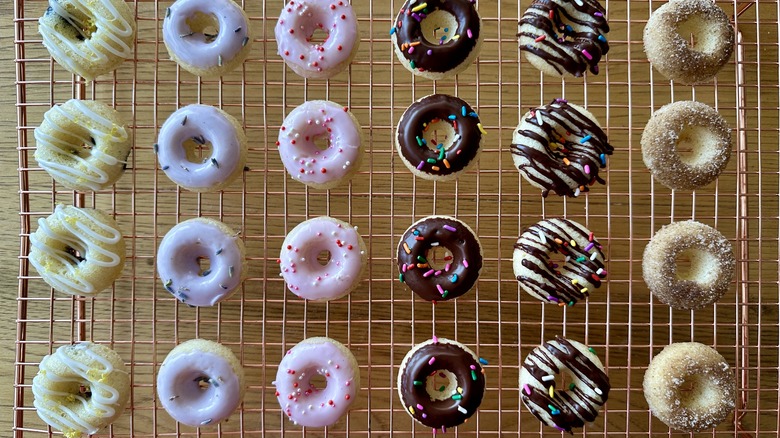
(381, 320)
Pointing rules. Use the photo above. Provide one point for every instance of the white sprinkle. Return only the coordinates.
(539, 119)
(435, 244)
(548, 378)
(594, 255)
(577, 192)
(462, 410)
(599, 271)
(598, 391)
(579, 2)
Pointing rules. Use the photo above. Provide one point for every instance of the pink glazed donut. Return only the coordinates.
(302, 402)
(297, 24)
(306, 276)
(304, 161)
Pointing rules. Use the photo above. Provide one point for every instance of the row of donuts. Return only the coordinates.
(431, 38)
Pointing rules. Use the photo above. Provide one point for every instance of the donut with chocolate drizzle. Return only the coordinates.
(564, 37)
(458, 275)
(575, 405)
(560, 147)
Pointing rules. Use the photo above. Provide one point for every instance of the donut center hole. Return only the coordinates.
(318, 382)
(695, 265)
(82, 25)
(439, 135)
(441, 385)
(204, 265)
(77, 256)
(204, 383)
(695, 389)
(322, 142)
(699, 34)
(323, 258)
(85, 391)
(438, 257)
(197, 149)
(318, 36)
(693, 145)
(439, 27)
(206, 24)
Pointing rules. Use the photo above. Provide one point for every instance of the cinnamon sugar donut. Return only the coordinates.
(667, 44)
(690, 387)
(686, 145)
(711, 265)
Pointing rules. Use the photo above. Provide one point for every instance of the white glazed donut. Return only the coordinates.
(306, 276)
(61, 138)
(200, 383)
(297, 23)
(179, 268)
(302, 158)
(204, 54)
(88, 37)
(202, 124)
(302, 402)
(81, 388)
(78, 251)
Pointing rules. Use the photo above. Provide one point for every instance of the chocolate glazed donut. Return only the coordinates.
(458, 275)
(425, 360)
(436, 56)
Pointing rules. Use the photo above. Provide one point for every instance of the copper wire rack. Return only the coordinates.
(382, 319)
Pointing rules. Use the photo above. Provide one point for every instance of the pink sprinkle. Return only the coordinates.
(403, 267)
(587, 55)
(587, 169)
(411, 50)
(420, 166)
(468, 32)
(473, 367)
(429, 273)
(449, 228)
(437, 273)
(465, 263)
(430, 362)
(419, 406)
(435, 339)
(527, 389)
(438, 286)
(447, 267)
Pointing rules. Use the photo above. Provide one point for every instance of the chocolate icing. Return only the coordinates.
(573, 61)
(550, 161)
(443, 57)
(575, 405)
(428, 110)
(452, 358)
(558, 285)
(463, 245)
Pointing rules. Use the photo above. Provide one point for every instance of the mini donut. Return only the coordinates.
(691, 127)
(574, 405)
(439, 159)
(88, 38)
(303, 402)
(304, 160)
(203, 54)
(202, 124)
(712, 265)
(461, 268)
(563, 37)
(668, 46)
(560, 147)
(294, 31)
(437, 39)
(78, 251)
(83, 145)
(81, 388)
(435, 363)
(690, 387)
(179, 255)
(307, 277)
(581, 271)
(200, 383)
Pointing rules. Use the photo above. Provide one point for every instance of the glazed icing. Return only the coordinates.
(302, 158)
(303, 273)
(58, 262)
(302, 402)
(297, 23)
(103, 135)
(180, 389)
(53, 406)
(107, 40)
(178, 267)
(198, 49)
(565, 408)
(201, 123)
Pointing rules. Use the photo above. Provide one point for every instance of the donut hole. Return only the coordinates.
(318, 382)
(438, 257)
(695, 265)
(438, 27)
(197, 149)
(81, 25)
(693, 145)
(85, 391)
(77, 255)
(441, 385)
(206, 24)
(318, 36)
(439, 133)
(204, 265)
(696, 390)
(699, 34)
(322, 142)
(323, 258)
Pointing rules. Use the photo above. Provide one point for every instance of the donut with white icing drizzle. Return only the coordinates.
(310, 279)
(180, 253)
(78, 251)
(81, 388)
(563, 407)
(88, 38)
(200, 383)
(304, 403)
(202, 124)
(83, 145)
(185, 32)
(298, 22)
(579, 273)
(304, 160)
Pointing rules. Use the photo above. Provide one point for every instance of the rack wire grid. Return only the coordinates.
(382, 319)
